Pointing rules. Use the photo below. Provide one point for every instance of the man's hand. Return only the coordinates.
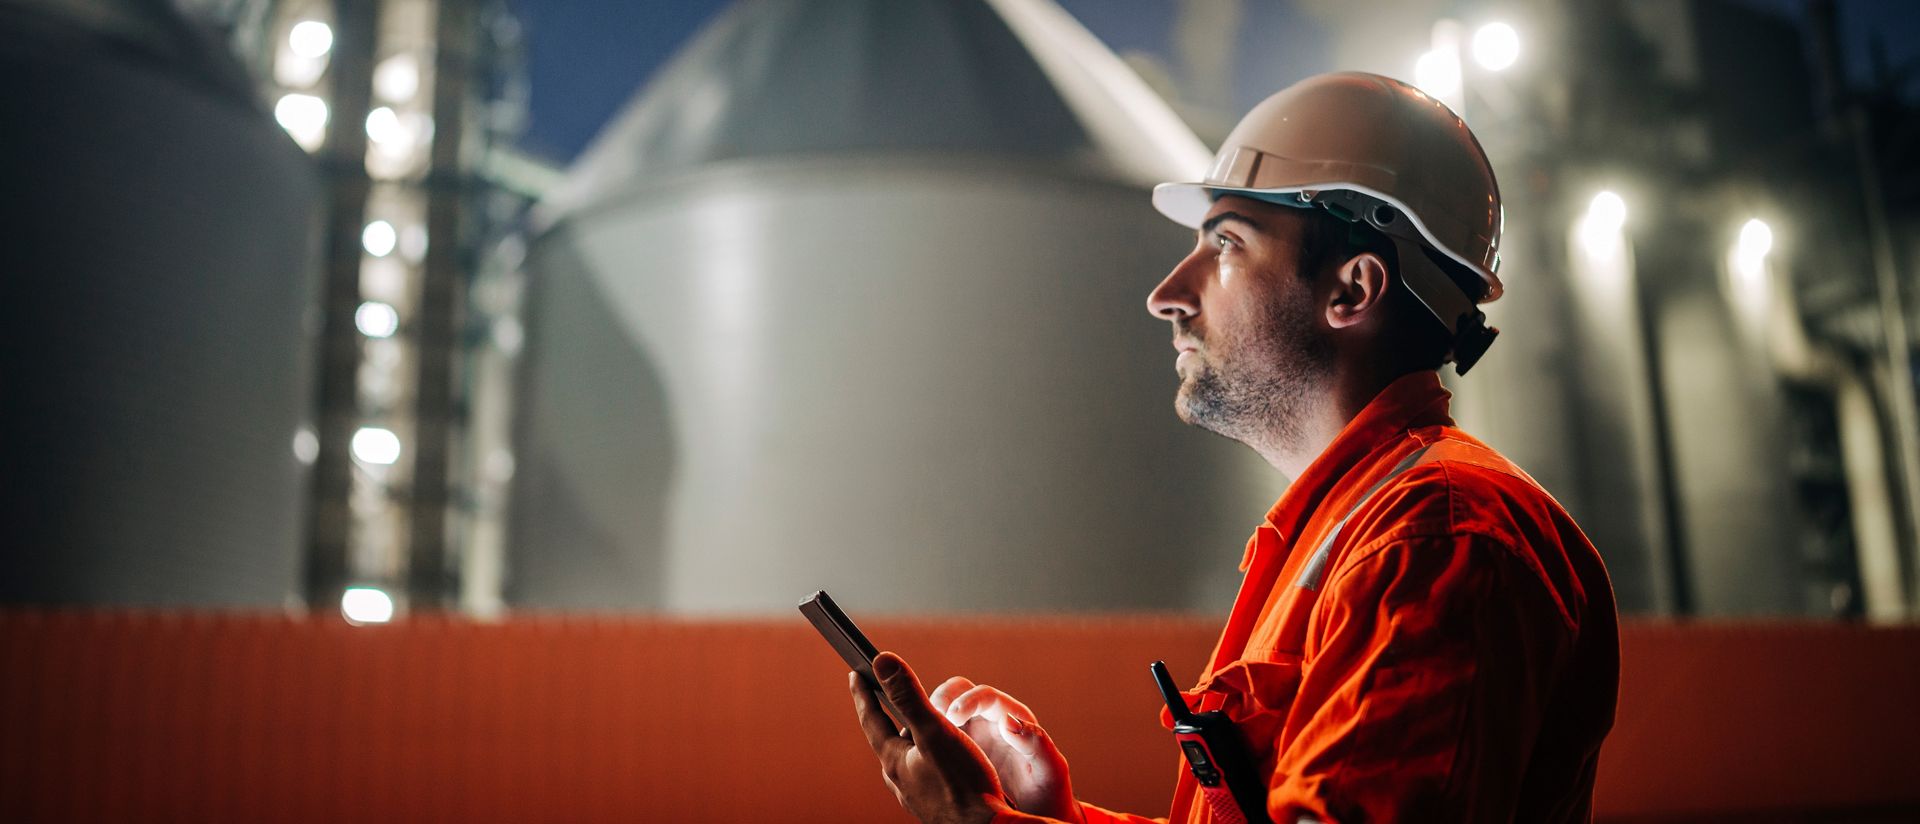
(935, 771)
(1032, 771)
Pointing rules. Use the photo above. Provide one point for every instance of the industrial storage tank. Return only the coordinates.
(154, 348)
(852, 296)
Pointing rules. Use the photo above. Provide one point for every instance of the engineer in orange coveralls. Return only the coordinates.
(1422, 634)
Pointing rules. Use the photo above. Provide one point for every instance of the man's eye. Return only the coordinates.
(1222, 242)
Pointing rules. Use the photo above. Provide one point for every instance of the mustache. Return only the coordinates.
(1182, 328)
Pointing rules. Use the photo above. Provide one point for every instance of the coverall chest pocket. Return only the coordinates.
(1257, 692)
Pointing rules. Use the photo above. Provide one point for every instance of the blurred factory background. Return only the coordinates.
(561, 347)
(848, 294)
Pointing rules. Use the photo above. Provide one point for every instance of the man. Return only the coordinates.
(1422, 634)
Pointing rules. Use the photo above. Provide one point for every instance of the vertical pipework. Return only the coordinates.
(344, 163)
(442, 299)
(1672, 523)
(1905, 437)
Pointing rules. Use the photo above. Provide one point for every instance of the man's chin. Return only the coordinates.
(1183, 400)
(1186, 408)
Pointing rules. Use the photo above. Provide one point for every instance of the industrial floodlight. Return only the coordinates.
(1496, 46)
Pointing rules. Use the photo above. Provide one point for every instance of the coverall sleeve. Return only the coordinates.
(1426, 671)
(1101, 815)
(1093, 815)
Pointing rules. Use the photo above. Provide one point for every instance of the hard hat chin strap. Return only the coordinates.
(1442, 297)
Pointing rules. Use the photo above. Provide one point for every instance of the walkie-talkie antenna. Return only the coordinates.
(1176, 704)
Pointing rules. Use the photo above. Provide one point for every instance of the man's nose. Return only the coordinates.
(1174, 298)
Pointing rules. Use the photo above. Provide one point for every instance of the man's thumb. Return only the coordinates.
(902, 689)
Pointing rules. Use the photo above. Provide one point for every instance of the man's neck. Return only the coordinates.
(1330, 410)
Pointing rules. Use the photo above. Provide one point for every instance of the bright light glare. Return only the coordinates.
(1749, 258)
(1496, 46)
(304, 117)
(376, 446)
(1756, 240)
(397, 78)
(1600, 229)
(306, 446)
(396, 141)
(366, 605)
(1607, 211)
(499, 466)
(376, 319)
(1437, 73)
(310, 39)
(508, 335)
(385, 128)
(1747, 264)
(379, 238)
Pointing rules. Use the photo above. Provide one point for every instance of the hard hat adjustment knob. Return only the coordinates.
(1470, 340)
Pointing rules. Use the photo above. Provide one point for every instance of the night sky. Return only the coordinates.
(587, 58)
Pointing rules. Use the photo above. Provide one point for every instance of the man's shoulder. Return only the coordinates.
(1462, 493)
(1453, 489)
(1476, 487)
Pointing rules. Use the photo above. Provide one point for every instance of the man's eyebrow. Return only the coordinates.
(1223, 217)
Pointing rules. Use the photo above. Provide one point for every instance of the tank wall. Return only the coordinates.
(153, 337)
(593, 452)
(922, 387)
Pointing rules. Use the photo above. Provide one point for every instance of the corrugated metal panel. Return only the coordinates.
(251, 717)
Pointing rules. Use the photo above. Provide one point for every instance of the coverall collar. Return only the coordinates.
(1409, 402)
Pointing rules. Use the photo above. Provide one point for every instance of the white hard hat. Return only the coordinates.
(1367, 147)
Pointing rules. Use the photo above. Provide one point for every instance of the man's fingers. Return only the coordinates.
(881, 735)
(944, 694)
(988, 703)
(1024, 737)
(905, 693)
(1011, 720)
(979, 701)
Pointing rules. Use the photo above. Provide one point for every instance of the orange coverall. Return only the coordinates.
(1455, 656)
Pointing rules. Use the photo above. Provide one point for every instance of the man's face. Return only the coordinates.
(1251, 343)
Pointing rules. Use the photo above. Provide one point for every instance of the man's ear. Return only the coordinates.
(1359, 290)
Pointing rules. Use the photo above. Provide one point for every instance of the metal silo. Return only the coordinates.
(851, 297)
(154, 342)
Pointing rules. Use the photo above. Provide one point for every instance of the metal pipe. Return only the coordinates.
(441, 315)
(1660, 428)
(1899, 353)
(331, 516)
(1873, 509)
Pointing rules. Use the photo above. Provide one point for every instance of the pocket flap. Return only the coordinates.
(1257, 685)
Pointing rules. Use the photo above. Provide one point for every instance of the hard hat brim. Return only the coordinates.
(1188, 203)
(1183, 203)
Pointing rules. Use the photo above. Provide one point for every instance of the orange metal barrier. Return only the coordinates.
(152, 716)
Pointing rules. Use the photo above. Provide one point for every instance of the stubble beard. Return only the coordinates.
(1258, 392)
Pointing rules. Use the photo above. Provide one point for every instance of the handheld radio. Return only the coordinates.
(1218, 757)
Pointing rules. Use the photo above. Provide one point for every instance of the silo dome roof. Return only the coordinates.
(1001, 78)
